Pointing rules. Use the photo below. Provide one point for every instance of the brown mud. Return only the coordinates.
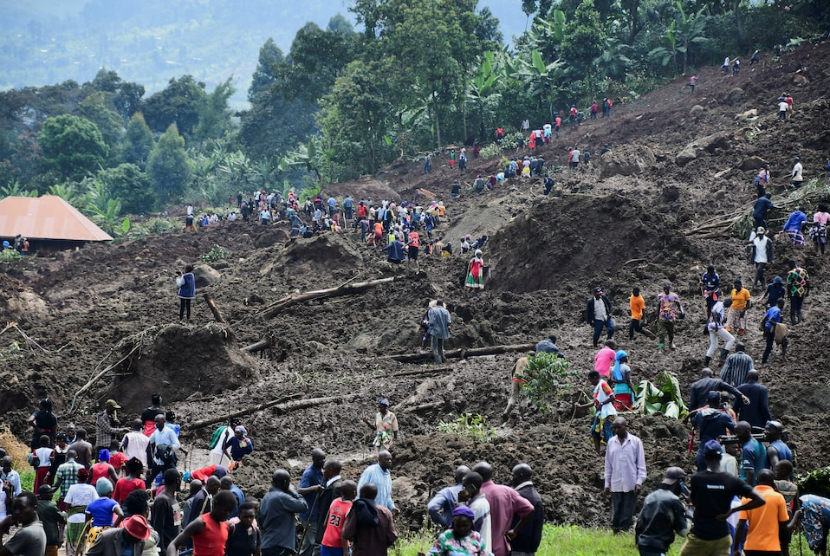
(89, 308)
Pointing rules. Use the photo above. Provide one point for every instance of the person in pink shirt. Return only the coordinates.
(605, 358)
(505, 502)
(818, 230)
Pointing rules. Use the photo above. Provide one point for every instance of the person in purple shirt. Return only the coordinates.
(504, 503)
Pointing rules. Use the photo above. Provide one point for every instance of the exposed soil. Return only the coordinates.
(91, 307)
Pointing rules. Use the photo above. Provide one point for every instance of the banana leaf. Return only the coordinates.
(661, 396)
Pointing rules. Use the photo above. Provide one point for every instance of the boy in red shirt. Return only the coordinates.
(333, 544)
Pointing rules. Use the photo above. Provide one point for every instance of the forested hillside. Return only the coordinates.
(415, 76)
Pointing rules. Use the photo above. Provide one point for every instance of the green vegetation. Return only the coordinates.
(472, 426)
(562, 540)
(546, 375)
(661, 396)
(216, 253)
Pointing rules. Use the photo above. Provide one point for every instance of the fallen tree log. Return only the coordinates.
(462, 353)
(420, 372)
(259, 346)
(217, 316)
(281, 405)
(344, 289)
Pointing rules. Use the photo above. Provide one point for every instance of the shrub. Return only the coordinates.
(491, 150)
(216, 253)
(546, 375)
(472, 426)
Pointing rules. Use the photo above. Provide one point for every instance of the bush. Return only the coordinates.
(511, 140)
(546, 375)
(9, 256)
(491, 150)
(472, 426)
(216, 253)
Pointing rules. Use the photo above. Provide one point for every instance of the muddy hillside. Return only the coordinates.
(670, 196)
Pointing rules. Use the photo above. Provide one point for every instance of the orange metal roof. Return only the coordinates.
(47, 217)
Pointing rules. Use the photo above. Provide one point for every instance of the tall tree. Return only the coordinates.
(71, 146)
(169, 166)
(127, 183)
(177, 104)
(109, 123)
(270, 56)
(214, 113)
(138, 141)
(583, 41)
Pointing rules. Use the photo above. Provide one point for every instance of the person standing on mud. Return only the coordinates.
(717, 330)
(775, 331)
(379, 475)
(277, 516)
(148, 416)
(737, 366)
(603, 401)
(311, 487)
(187, 290)
(798, 288)
(741, 301)
(637, 306)
(332, 481)
(43, 422)
(668, 309)
(598, 314)
(517, 378)
(625, 472)
(710, 284)
(385, 426)
(162, 449)
(439, 329)
(761, 253)
(475, 273)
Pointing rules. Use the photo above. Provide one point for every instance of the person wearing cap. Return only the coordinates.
(775, 291)
(385, 426)
(625, 473)
(30, 537)
(796, 174)
(238, 446)
(461, 539)
(209, 531)
(793, 227)
(101, 512)
(741, 302)
(129, 539)
(51, 518)
(663, 514)
(598, 315)
(379, 475)
(737, 366)
(637, 307)
(759, 530)
(711, 494)
(761, 254)
(669, 308)
(756, 412)
(711, 423)
(623, 389)
(107, 426)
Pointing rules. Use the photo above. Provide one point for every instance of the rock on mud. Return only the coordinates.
(206, 275)
(709, 144)
(626, 161)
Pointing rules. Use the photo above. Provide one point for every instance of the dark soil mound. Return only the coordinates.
(583, 239)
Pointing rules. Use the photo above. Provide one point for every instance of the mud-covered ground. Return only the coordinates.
(91, 308)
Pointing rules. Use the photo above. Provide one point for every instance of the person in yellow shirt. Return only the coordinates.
(637, 305)
(737, 313)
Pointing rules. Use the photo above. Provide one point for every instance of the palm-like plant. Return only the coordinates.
(14, 189)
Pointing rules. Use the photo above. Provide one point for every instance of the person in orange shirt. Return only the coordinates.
(378, 233)
(414, 242)
(766, 523)
(737, 312)
(637, 305)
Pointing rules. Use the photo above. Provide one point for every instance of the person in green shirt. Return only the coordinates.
(51, 518)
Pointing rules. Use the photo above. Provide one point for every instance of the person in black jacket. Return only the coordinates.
(756, 412)
(526, 542)
(699, 391)
(598, 314)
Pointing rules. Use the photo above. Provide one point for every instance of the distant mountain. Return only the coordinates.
(48, 41)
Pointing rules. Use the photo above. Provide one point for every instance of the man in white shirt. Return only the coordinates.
(782, 109)
(134, 444)
(796, 174)
(162, 436)
(625, 472)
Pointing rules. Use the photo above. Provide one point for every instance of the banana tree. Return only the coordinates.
(542, 80)
(481, 89)
(690, 31)
(16, 190)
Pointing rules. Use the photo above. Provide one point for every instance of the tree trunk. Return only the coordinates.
(739, 20)
(437, 122)
(459, 353)
(464, 106)
(282, 405)
(634, 22)
(295, 298)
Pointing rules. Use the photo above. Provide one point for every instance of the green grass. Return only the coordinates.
(559, 540)
(27, 478)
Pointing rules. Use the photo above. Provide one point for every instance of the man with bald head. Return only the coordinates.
(699, 391)
(443, 503)
(504, 504)
(380, 475)
(310, 488)
(332, 481)
(369, 525)
(753, 454)
(277, 516)
(527, 540)
(625, 473)
(202, 501)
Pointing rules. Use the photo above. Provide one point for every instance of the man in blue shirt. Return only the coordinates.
(711, 423)
(310, 488)
(760, 209)
(276, 517)
(772, 320)
(379, 474)
(443, 503)
(753, 455)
